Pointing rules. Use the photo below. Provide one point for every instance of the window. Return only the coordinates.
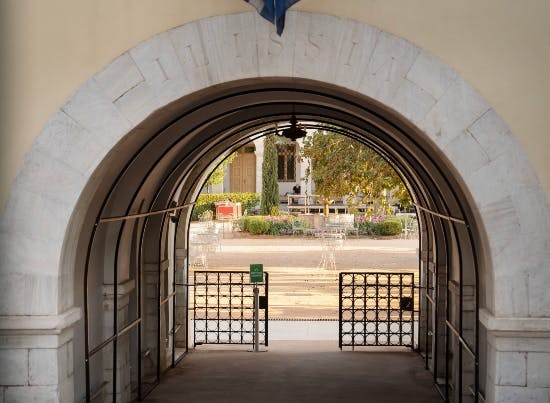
(286, 162)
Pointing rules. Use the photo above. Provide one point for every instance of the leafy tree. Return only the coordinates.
(342, 166)
(270, 186)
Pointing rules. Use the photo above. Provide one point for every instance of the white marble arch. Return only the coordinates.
(35, 225)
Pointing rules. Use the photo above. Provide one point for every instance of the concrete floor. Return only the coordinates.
(297, 371)
(302, 365)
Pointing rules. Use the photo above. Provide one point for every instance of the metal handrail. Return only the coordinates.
(445, 217)
(462, 341)
(114, 337)
(141, 215)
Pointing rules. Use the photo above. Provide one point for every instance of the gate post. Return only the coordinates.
(256, 319)
(340, 310)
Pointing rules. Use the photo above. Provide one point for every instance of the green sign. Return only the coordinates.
(256, 273)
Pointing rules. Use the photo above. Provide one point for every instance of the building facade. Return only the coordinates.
(245, 172)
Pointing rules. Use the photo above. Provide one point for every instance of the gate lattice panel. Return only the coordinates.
(376, 309)
(224, 308)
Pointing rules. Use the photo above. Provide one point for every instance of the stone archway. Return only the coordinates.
(45, 210)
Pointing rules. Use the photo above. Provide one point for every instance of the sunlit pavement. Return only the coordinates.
(299, 287)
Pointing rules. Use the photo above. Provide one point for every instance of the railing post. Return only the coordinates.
(256, 319)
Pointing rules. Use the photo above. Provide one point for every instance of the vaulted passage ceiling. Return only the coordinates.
(179, 142)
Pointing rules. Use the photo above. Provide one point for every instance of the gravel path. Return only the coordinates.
(299, 287)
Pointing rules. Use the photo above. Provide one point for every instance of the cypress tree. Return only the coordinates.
(270, 186)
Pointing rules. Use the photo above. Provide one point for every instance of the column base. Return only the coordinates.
(36, 357)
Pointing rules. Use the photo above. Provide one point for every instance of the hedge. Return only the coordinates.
(257, 225)
(267, 225)
(207, 202)
(282, 225)
(389, 226)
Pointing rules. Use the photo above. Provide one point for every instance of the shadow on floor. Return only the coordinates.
(297, 371)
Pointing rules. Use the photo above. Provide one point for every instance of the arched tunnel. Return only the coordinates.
(124, 251)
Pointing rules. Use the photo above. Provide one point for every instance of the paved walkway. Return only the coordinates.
(298, 287)
(239, 250)
(302, 365)
(297, 372)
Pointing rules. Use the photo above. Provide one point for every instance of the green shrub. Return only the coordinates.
(243, 223)
(391, 226)
(257, 225)
(368, 228)
(380, 227)
(281, 225)
(280, 228)
(207, 202)
(267, 225)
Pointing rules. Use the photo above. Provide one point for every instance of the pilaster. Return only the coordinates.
(36, 357)
(518, 358)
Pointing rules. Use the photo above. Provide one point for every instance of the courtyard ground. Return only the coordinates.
(299, 286)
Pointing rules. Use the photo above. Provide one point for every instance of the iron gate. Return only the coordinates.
(224, 308)
(376, 309)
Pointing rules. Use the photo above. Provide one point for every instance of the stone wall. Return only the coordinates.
(36, 356)
(518, 359)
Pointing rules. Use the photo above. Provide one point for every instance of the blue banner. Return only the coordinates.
(273, 10)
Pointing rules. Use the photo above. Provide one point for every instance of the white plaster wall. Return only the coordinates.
(483, 151)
